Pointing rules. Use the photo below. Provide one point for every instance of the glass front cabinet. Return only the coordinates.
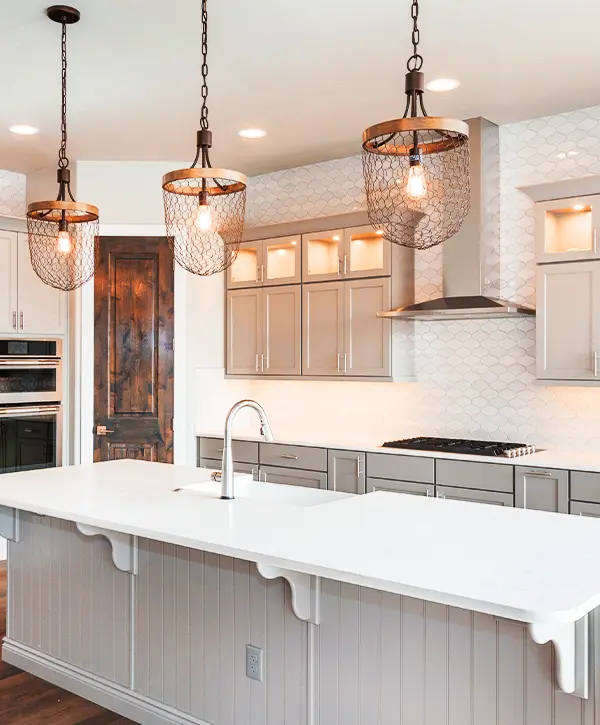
(267, 262)
(567, 229)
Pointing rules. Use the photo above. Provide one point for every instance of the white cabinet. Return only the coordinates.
(567, 229)
(568, 321)
(27, 305)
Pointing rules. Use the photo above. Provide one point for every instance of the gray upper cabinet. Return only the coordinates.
(366, 253)
(384, 484)
(322, 328)
(496, 498)
(322, 255)
(568, 321)
(281, 335)
(567, 229)
(346, 471)
(267, 262)
(542, 489)
(367, 338)
(244, 331)
(8, 288)
(263, 331)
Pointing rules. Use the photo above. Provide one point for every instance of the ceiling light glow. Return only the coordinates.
(252, 133)
(24, 129)
(441, 85)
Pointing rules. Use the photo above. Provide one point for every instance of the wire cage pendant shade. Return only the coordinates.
(416, 168)
(204, 206)
(63, 233)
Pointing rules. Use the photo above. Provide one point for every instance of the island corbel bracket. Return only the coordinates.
(571, 643)
(10, 524)
(306, 590)
(124, 546)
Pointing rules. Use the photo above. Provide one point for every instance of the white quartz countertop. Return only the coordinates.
(552, 458)
(531, 566)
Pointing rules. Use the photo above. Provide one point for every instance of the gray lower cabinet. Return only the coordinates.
(585, 486)
(346, 471)
(290, 456)
(293, 476)
(583, 508)
(417, 489)
(497, 498)
(473, 474)
(542, 489)
(238, 467)
(400, 467)
(242, 451)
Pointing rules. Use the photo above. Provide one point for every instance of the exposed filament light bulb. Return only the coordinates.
(416, 187)
(204, 219)
(63, 242)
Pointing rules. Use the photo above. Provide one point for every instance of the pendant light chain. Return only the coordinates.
(204, 111)
(415, 62)
(63, 161)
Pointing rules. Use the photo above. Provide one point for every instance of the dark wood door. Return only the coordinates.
(133, 397)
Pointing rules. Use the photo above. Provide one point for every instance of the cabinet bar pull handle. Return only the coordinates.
(339, 267)
(262, 363)
(595, 238)
(257, 273)
(345, 264)
(262, 273)
(345, 363)
(14, 319)
(289, 457)
(547, 474)
(595, 354)
(338, 362)
(358, 471)
(257, 356)
(22, 320)
(219, 450)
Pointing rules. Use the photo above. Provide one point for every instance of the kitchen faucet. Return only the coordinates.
(227, 466)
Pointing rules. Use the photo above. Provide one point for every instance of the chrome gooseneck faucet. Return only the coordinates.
(227, 466)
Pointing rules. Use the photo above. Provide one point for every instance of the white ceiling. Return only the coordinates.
(313, 73)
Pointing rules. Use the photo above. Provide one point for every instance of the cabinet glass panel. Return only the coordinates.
(245, 269)
(322, 253)
(282, 259)
(365, 251)
(569, 229)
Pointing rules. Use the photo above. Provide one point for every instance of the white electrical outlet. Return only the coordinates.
(254, 663)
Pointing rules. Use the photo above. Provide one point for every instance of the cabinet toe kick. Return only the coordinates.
(306, 590)
(571, 643)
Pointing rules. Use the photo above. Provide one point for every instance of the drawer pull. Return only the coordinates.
(219, 450)
(546, 474)
(289, 456)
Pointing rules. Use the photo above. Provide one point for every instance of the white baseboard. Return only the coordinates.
(107, 694)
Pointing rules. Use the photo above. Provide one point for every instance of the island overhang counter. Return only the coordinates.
(127, 548)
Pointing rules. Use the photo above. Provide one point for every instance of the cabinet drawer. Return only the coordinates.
(579, 508)
(385, 484)
(470, 494)
(482, 476)
(400, 468)
(293, 477)
(278, 454)
(36, 429)
(585, 486)
(215, 465)
(242, 451)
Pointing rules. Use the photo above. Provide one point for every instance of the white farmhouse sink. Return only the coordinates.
(245, 489)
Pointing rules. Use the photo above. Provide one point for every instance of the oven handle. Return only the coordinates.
(29, 411)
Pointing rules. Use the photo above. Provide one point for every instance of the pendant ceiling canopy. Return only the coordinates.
(63, 232)
(416, 168)
(204, 206)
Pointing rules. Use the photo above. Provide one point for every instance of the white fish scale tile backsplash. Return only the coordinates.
(475, 378)
(13, 196)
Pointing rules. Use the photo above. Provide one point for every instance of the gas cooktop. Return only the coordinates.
(459, 445)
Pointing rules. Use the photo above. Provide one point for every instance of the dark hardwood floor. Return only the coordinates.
(27, 700)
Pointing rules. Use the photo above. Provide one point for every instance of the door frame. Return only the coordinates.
(82, 334)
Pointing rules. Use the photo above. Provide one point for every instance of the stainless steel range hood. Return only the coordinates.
(472, 258)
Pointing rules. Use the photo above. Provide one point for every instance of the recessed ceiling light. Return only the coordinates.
(440, 85)
(23, 129)
(252, 133)
(578, 207)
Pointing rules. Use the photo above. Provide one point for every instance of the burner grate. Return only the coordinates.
(460, 445)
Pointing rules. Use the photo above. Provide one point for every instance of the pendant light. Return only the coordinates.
(416, 168)
(63, 232)
(204, 207)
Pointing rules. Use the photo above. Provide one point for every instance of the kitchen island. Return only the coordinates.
(137, 592)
